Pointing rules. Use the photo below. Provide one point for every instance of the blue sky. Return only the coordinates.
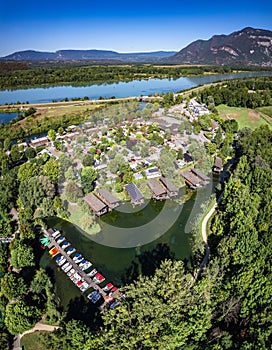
(122, 26)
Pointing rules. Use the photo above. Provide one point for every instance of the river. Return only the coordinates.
(119, 90)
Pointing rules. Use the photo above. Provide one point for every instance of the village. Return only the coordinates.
(136, 159)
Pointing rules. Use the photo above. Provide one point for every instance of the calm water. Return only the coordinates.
(121, 89)
(7, 117)
(122, 265)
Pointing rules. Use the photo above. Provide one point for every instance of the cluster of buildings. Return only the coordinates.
(143, 167)
(102, 201)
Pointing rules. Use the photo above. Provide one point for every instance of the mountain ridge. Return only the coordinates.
(93, 54)
(248, 46)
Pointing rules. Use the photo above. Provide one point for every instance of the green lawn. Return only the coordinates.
(266, 110)
(245, 117)
(32, 342)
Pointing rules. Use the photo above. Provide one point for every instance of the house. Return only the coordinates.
(172, 190)
(187, 157)
(41, 141)
(108, 198)
(152, 173)
(158, 191)
(138, 176)
(191, 179)
(202, 176)
(218, 165)
(179, 163)
(135, 194)
(97, 206)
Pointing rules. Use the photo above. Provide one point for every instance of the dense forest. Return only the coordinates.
(250, 93)
(97, 73)
(228, 307)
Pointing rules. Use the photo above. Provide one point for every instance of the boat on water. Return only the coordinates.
(61, 239)
(65, 265)
(55, 234)
(58, 258)
(92, 273)
(84, 286)
(82, 263)
(114, 289)
(71, 251)
(78, 260)
(71, 272)
(94, 296)
(109, 286)
(79, 283)
(98, 278)
(61, 261)
(77, 255)
(86, 265)
(53, 252)
(66, 244)
(114, 304)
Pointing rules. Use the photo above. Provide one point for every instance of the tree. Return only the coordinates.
(12, 286)
(205, 122)
(27, 171)
(218, 137)
(15, 154)
(3, 259)
(41, 283)
(20, 317)
(166, 163)
(21, 255)
(115, 164)
(30, 153)
(88, 160)
(69, 174)
(168, 317)
(60, 130)
(34, 190)
(87, 177)
(73, 192)
(52, 135)
(7, 143)
(51, 170)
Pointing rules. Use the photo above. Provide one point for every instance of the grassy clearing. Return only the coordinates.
(245, 117)
(32, 342)
(83, 220)
(266, 110)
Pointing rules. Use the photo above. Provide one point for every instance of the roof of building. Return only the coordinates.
(218, 162)
(95, 203)
(40, 139)
(168, 184)
(187, 157)
(156, 187)
(134, 192)
(200, 175)
(192, 178)
(105, 194)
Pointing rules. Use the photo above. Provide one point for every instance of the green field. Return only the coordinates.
(32, 342)
(246, 117)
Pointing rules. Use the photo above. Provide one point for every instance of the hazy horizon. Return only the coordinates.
(122, 27)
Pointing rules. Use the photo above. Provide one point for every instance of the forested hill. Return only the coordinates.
(245, 47)
(69, 55)
(229, 307)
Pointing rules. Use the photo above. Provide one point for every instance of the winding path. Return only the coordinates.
(38, 327)
(204, 236)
